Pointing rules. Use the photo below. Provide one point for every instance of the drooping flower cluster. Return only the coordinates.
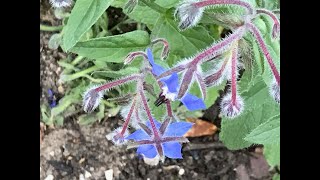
(189, 13)
(151, 138)
(159, 140)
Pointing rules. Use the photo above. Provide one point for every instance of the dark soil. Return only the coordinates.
(73, 151)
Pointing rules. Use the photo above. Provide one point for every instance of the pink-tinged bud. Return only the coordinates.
(276, 22)
(61, 3)
(201, 82)
(275, 91)
(232, 103)
(188, 14)
(256, 33)
(117, 137)
(230, 107)
(91, 99)
(217, 76)
(276, 31)
(165, 50)
(131, 56)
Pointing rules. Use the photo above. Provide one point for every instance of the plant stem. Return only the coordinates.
(225, 2)
(126, 123)
(81, 73)
(234, 66)
(77, 60)
(146, 107)
(50, 28)
(154, 6)
(256, 33)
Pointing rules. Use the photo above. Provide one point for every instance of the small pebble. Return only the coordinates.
(87, 174)
(91, 169)
(51, 153)
(82, 160)
(81, 177)
(109, 174)
(60, 89)
(49, 177)
(181, 172)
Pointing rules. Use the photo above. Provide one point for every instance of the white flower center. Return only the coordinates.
(167, 94)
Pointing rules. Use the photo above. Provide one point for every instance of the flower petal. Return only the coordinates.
(147, 150)
(139, 135)
(157, 123)
(192, 102)
(172, 83)
(156, 69)
(150, 56)
(172, 150)
(178, 129)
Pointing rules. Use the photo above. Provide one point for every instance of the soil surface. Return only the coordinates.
(75, 152)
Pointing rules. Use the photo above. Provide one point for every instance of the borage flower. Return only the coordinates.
(164, 143)
(170, 87)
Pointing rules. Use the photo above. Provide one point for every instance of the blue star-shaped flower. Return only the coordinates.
(171, 86)
(165, 143)
(51, 99)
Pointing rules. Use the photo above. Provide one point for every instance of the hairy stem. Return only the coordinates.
(171, 71)
(126, 123)
(225, 2)
(213, 51)
(276, 25)
(254, 30)
(213, 78)
(169, 110)
(234, 74)
(118, 82)
(147, 109)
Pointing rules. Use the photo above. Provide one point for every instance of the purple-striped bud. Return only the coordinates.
(61, 3)
(188, 14)
(131, 56)
(165, 50)
(91, 99)
(275, 91)
(117, 137)
(231, 107)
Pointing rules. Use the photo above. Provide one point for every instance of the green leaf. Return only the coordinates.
(59, 120)
(45, 114)
(276, 177)
(87, 119)
(272, 154)
(83, 15)
(259, 108)
(113, 48)
(182, 43)
(145, 14)
(54, 41)
(266, 133)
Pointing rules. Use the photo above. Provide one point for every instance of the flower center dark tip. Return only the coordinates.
(161, 99)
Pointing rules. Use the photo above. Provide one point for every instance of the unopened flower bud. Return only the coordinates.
(117, 137)
(61, 3)
(188, 14)
(275, 91)
(91, 99)
(231, 107)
